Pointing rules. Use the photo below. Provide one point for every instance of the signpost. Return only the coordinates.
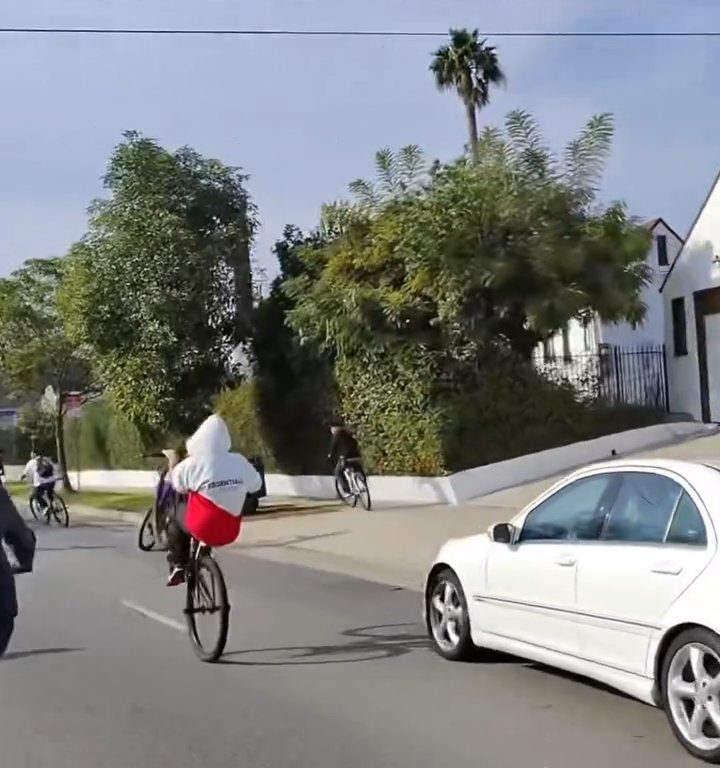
(73, 403)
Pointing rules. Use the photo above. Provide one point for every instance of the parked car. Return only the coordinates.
(614, 574)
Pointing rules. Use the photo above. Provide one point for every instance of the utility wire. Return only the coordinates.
(330, 33)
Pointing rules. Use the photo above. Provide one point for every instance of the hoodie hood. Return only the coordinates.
(212, 436)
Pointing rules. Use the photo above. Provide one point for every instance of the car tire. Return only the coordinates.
(680, 686)
(449, 630)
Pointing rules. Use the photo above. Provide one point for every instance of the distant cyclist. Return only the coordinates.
(40, 473)
(21, 541)
(343, 448)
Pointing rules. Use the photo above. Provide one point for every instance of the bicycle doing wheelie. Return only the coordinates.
(357, 488)
(206, 598)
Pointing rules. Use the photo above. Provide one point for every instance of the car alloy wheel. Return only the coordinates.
(692, 691)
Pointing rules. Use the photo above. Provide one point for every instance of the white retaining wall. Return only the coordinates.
(452, 489)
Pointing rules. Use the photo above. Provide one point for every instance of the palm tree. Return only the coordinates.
(469, 66)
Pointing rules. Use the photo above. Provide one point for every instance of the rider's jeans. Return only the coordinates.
(178, 537)
(7, 625)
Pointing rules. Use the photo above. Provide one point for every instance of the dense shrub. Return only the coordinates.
(508, 409)
(104, 439)
(240, 408)
(389, 402)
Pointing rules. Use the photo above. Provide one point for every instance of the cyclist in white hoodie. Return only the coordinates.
(213, 484)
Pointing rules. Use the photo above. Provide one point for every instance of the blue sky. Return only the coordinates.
(304, 116)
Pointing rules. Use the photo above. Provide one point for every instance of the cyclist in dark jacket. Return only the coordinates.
(343, 447)
(21, 540)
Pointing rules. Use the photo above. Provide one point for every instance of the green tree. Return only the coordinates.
(160, 287)
(292, 381)
(35, 349)
(502, 251)
(470, 67)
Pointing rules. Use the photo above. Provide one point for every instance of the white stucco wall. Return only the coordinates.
(652, 330)
(694, 271)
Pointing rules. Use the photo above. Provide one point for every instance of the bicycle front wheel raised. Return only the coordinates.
(60, 511)
(207, 609)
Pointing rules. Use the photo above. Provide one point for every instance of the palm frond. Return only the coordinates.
(587, 155)
(527, 147)
(410, 163)
(364, 192)
(386, 169)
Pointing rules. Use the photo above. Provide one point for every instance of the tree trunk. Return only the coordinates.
(472, 129)
(60, 443)
(242, 278)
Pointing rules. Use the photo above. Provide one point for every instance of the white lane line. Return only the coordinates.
(154, 616)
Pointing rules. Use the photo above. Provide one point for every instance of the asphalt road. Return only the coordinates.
(322, 671)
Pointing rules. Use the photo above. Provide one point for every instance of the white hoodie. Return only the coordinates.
(211, 471)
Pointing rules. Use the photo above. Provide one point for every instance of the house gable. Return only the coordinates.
(701, 230)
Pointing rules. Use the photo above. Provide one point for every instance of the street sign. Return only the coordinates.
(73, 402)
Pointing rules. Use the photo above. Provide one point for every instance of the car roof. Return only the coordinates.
(698, 472)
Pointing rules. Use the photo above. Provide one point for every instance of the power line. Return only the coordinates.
(333, 33)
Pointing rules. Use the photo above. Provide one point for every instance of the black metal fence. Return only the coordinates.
(619, 375)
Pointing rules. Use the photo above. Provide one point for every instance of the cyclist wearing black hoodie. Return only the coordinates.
(343, 448)
(21, 541)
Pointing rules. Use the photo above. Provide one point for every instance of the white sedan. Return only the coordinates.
(614, 574)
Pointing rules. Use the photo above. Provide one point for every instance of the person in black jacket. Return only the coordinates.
(15, 533)
(343, 447)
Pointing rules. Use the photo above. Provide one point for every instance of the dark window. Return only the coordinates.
(576, 512)
(567, 356)
(662, 250)
(687, 525)
(548, 349)
(643, 508)
(679, 327)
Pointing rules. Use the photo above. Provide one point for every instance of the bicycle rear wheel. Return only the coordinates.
(147, 538)
(36, 511)
(60, 511)
(207, 598)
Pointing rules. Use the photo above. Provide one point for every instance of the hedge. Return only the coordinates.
(413, 415)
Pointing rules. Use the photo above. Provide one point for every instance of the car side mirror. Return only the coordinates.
(501, 533)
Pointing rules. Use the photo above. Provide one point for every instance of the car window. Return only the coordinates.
(575, 512)
(642, 510)
(687, 526)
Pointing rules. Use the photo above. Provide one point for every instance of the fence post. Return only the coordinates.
(618, 377)
(666, 387)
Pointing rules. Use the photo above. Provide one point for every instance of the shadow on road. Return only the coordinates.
(292, 541)
(78, 546)
(38, 652)
(384, 641)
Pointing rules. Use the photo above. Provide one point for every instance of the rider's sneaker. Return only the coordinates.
(176, 577)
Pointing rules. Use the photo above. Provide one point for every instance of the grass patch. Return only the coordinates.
(126, 501)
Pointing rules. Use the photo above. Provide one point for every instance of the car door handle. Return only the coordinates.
(671, 569)
(565, 560)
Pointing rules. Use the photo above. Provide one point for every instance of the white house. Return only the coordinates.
(691, 296)
(579, 339)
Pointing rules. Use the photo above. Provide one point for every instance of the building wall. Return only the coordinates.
(694, 271)
(652, 330)
(650, 333)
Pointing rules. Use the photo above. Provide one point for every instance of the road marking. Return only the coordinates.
(154, 616)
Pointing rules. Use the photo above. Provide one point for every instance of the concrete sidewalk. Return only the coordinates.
(396, 544)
